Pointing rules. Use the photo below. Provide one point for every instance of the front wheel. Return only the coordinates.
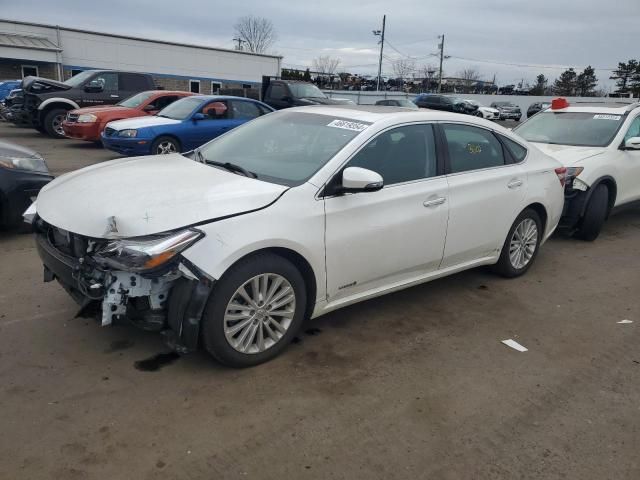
(594, 215)
(479, 114)
(254, 311)
(52, 123)
(165, 146)
(521, 245)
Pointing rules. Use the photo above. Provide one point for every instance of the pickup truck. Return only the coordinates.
(292, 93)
(46, 102)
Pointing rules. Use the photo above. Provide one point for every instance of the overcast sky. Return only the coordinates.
(480, 34)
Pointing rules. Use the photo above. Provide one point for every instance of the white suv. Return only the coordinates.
(599, 143)
(291, 216)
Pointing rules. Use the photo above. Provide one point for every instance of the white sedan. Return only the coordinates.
(291, 216)
(485, 112)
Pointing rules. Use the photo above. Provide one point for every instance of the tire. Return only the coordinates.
(595, 214)
(165, 145)
(52, 122)
(218, 334)
(479, 114)
(509, 265)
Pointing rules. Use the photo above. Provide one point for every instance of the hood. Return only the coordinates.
(569, 155)
(8, 149)
(324, 101)
(142, 122)
(148, 195)
(39, 84)
(488, 109)
(101, 108)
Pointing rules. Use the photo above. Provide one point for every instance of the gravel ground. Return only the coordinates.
(412, 385)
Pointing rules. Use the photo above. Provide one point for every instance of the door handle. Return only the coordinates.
(514, 184)
(434, 202)
(115, 96)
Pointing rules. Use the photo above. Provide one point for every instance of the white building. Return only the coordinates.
(60, 52)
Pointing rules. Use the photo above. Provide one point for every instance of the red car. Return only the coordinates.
(87, 123)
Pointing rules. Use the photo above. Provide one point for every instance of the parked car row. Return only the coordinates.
(235, 243)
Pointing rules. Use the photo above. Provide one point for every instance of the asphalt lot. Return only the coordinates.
(412, 385)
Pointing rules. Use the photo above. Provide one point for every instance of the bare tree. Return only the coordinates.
(325, 65)
(469, 77)
(427, 72)
(404, 67)
(257, 33)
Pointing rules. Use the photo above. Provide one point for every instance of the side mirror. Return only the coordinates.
(199, 116)
(632, 143)
(149, 108)
(356, 179)
(94, 86)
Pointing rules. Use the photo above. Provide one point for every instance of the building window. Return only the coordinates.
(75, 71)
(215, 88)
(246, 85)
(194, 86)
(29, 70)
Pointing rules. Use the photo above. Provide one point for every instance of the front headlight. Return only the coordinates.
(32, 164)
(128, 133)
(87, 118)
(145, 253)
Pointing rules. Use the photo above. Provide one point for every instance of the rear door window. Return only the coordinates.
(517, 151)
(472, 148)
(133, 83)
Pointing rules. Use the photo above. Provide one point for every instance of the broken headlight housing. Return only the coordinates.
(145, 253)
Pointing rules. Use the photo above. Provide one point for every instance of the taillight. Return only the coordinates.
(561, 172)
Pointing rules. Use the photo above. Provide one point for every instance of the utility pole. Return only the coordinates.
(441, 59)
(240, 42)
(381, 34)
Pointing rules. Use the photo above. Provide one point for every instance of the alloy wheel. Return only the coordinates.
(57, 124)
(523, 243)
(259, 313)
(166, 147)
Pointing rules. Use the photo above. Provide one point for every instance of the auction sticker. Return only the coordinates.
(355, 126)
(606, 117)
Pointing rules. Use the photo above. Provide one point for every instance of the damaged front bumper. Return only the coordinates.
(170, 298)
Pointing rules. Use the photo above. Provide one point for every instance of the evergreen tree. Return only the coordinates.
(565, 84)
(540, 86)
(627, 76)
(586, 82)
(307, 75)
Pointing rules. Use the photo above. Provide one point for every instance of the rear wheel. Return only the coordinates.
(254, 311)
(165, 146)
(52, 123)
(594, 215)
(521, 245)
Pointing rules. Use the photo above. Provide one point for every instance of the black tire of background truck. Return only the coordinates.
(213, 336)
(54, 117)
(594, 215)
(504, 266)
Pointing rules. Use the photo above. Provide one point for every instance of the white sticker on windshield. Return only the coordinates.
(606, 117)
(355, 126)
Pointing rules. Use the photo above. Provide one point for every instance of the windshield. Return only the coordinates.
(180, 109)
(305, 90)
(136, 100)
(407, 103)
(284, 147)
(79, 79)
(571, 128)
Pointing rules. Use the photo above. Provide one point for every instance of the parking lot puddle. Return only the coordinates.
(155, 363)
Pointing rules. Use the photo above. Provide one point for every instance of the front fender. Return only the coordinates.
(49, 101)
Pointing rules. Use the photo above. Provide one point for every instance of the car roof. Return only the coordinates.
(616, 108)
(378, 113)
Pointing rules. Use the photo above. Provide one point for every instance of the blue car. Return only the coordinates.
(6, 86)
(181, 126)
